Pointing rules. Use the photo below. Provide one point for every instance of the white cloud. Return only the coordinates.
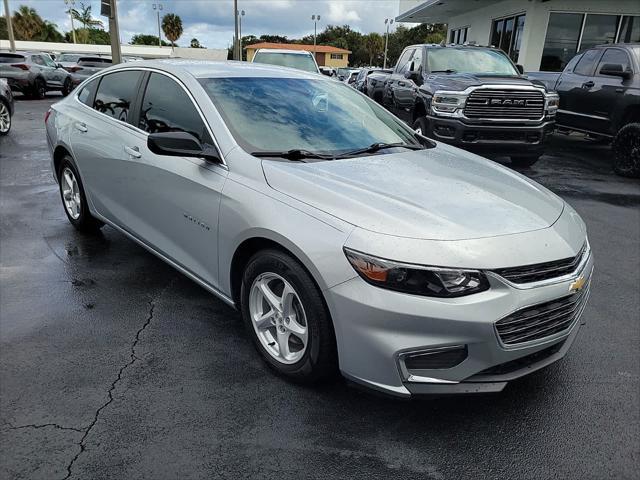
(340, 14)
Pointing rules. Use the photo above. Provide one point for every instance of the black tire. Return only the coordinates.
(67, 87)
(6, 108)
(524, 161)
(626, 151)
(421, 125)
(320, 359)
(39, 89)
(85, 222)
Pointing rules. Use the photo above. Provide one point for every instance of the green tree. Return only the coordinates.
(195, 43)
(373, 45)
(144, 39)
(27, 24)
(49, 33)
(274, 39)
(4, 33)
(172, 27)
(85, 18)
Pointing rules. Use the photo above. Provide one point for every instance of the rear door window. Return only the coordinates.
(116, 94)
(587, 63)
(87, 93)
(166, 107)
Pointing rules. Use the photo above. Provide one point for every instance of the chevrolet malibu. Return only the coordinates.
(349, 242)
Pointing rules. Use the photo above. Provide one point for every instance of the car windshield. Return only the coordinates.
(470, 60)
(68, 57)
(301, 61)
(322, 116)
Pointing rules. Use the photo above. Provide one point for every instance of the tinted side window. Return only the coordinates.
(116, 94)
(37, 60)
(613, 55)
(417, 59)
(87, 92)
(587, 63)
(167, 108)
(572, 63)
(404, 60)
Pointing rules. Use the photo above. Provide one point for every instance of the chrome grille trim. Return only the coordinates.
(542, 321)
(479, 104)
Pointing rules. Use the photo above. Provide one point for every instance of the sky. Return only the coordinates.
(211, 21)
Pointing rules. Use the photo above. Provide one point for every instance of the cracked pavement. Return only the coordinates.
(113, 365)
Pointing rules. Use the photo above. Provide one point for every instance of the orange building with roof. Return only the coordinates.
(326, 56)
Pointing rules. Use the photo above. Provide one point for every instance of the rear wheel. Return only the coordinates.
(285, 315)
(524, 161)
(74, 198)
(5, 118)
(39, 89)
(626, 151)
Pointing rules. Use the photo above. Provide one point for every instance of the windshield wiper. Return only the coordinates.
(295, 154)
(444, 71)
(379, 146)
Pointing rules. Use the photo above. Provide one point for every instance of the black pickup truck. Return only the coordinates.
(600, 95)
(472, 97)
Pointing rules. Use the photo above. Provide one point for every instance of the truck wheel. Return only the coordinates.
(626, 151)
(421, 126)
(524, 161)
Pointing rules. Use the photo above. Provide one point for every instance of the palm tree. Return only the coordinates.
(373, 45)
(172, 27)
(27, 23)
(49, 33)
(85, 18)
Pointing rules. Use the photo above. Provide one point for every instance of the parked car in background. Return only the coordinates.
(600, 95)
(361, 80)
(87, 66)
(34, 74)
(344, 74)
(350, 79)
(348, 241)
(68, 60)
(474, 98)
(328, 71)
(374, 85)
(6, 107)
(298, 59)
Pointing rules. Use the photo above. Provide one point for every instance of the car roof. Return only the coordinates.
(220, 69)
(283, 50)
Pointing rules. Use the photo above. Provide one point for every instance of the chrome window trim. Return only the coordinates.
(138, 130)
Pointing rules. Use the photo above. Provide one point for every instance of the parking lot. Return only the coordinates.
(114, 365)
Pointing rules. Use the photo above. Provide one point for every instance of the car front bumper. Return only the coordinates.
(501, 138)
(378, 329)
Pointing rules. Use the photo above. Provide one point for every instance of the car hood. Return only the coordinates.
(461, 81)
(440, 194)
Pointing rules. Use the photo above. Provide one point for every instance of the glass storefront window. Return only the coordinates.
(599, 29)
(629, 29)
(561, 42)
(506, 34)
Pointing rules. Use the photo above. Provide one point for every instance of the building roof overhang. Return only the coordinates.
(440, 11)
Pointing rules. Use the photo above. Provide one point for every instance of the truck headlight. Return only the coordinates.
(447, 102)
(417, 279)
(553, 102)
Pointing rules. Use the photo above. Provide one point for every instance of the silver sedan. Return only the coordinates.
(349, 243)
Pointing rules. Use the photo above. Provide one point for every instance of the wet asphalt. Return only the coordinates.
(115, 366)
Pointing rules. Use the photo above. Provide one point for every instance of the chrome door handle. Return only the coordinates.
(588, 84)
(81, 127)
(133, 152)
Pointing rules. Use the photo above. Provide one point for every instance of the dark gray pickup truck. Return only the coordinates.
(600, 95)
(471, 97)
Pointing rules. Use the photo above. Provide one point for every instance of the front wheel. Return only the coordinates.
(67, 87)
(39, 89)
(626, 151)
(524, 161)
(74, 198)
(421, 126)
(285, 315)
(5, 118)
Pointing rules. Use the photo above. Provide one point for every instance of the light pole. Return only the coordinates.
(316, 19)
(388, 23)
(241, 14)
(71, 4)
(158, 9)
(236, 43)
(12, 40)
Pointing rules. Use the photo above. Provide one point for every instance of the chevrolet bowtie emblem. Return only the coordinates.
(577, 285)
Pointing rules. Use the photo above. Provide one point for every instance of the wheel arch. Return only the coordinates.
(631, 114)
(419, 109)
(58, 154)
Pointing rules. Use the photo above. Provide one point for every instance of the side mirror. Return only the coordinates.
(615, 70)
(520, 69)
(415, 75)
(181, 144)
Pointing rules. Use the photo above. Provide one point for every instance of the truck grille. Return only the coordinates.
(542, 320)
(505, 104)
(542, 271)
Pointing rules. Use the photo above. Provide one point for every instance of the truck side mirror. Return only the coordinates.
(615, 70)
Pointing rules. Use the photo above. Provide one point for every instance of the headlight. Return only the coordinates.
(553, 102)
(447, 102)
(417, 279)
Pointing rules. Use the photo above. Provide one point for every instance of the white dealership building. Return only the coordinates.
(538, 34)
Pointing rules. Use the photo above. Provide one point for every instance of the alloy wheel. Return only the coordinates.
(5, 118)
(71, 193)
(278, 318)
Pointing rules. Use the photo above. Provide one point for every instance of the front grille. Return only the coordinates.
(523, 362)
(542, 271)
(505, 104)
(542, 320)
